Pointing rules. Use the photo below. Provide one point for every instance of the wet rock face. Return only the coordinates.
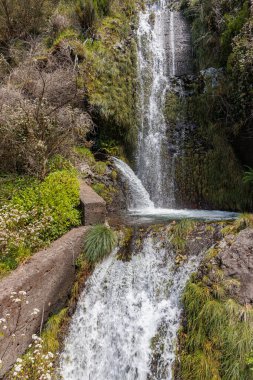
(178, 44)
(236, 259)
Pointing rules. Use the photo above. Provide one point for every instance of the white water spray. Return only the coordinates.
(153, 162)
(137, 195)
(127, 317)
(172, 43)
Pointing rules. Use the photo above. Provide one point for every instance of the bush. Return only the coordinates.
(18, 18)
(217, 337)
(36, 132)
(99, 242)
(37, 215)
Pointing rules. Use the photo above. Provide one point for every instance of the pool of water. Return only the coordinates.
(164, 214)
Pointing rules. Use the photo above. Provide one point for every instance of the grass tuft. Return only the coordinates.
(99, 242)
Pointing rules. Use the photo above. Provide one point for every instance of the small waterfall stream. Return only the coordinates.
(126, 322)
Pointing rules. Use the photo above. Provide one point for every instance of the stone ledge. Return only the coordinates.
(93, 206)
(47, 278)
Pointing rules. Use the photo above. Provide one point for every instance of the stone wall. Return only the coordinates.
(93, 206)
(47, 279)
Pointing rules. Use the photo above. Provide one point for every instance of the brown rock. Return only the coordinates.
(237, 262)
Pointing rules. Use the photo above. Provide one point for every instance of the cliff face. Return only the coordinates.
(211, 109)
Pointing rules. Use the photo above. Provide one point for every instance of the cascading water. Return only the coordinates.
(137, 196)
(152, 154)
(164, 52)
(127, 319)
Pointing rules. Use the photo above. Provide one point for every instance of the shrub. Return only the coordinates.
(217, 337)
(36, 132)
(18, 18)
(99, 242)
(37, 215)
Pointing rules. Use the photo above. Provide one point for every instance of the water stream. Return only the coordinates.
(153, 161)
(126, 322)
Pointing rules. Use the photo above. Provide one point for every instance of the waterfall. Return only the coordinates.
(153, 161)
(164, 52)
(137, 196)
(172, 43)
(127, 318)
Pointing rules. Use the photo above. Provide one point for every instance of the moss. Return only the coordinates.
(126, 251)
(110, 78)
(106, 192)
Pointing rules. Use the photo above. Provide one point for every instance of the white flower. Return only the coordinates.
(18, 368)
(22, 292)
(19, 360)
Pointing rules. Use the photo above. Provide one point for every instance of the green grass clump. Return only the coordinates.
(217, 339)
(99, 242)
(179, 232)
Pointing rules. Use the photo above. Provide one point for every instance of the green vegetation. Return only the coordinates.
(179, 232)
(248, 176)
(217, 336)
(37, 214)
(47, 124)
(219, 106)
(99, 242)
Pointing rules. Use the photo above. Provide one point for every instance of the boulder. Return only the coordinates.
(236, 259)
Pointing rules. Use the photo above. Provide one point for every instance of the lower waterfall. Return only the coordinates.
(127, 318)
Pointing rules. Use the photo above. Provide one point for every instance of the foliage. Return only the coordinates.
(217, 337)
(99, 242)
(248, 176)
(18, 18)
(106, 192)
(34, 133)
(179, 232)
(36, 215)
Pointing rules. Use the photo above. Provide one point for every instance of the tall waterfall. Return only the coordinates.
(127, 319)
(163, 53)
